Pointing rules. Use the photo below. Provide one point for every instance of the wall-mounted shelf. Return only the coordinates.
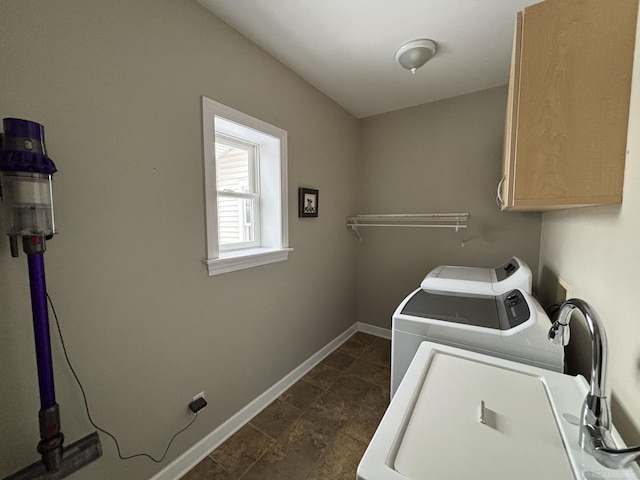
(420, 220)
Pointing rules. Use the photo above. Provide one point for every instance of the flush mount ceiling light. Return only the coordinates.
(412, 55)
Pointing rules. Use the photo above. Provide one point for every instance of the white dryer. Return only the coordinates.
(482, 281)
(512, 326)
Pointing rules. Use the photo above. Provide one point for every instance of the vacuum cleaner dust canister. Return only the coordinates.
(25, 181)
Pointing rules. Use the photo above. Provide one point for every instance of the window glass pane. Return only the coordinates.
(236, 220)
(233, 168)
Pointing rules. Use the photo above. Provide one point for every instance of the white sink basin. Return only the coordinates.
(433, 428)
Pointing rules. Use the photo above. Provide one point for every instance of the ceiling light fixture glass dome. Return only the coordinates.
(414, 54)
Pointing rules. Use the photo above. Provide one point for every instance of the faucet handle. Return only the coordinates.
(559, 333)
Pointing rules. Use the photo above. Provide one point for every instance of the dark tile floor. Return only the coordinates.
(319, 428)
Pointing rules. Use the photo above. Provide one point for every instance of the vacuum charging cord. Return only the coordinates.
(86, 403)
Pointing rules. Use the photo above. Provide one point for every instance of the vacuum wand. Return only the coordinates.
(51, 438)
(41, 330)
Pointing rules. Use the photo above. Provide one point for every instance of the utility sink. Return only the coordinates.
(462, 415)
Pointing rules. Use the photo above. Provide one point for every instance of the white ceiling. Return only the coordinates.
(346, 48)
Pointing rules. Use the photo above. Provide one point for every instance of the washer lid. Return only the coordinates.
(481, 281)
(479, 311)
(446, 439)
(504, 312)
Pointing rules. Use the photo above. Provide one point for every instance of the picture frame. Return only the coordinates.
(307, 202)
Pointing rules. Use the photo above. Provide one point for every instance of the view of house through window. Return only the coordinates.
(238, 193)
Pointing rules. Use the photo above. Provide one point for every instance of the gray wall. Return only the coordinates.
(442, 157)
(117, 85)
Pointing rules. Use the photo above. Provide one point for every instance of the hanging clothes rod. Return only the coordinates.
(420, 220)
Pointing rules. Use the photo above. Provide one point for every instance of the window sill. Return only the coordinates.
(241, 259)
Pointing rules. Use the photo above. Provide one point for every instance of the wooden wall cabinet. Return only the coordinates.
(568, 105)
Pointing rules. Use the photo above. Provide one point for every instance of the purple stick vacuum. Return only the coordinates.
(25, 174)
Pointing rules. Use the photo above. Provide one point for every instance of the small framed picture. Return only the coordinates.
(307, 202)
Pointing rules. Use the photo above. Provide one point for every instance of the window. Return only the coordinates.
(245, 163)
(238, 191)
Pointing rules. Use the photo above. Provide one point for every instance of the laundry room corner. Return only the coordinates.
(440, 157)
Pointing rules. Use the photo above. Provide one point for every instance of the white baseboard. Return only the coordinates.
(189, 459)
(373, 330)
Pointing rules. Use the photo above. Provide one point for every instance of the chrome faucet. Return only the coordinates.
(595, 419)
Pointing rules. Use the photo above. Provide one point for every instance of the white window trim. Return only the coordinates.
(278, 248)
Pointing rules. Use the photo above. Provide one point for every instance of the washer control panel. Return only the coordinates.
(506, 270)
(516, 308)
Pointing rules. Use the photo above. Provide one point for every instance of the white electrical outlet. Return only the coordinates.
(200, 395)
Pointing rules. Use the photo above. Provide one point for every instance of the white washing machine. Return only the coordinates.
(482, 281)
(512, 326)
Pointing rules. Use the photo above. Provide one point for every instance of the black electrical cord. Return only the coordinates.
(86, 404)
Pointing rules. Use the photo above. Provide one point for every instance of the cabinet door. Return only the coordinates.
(567, 126)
